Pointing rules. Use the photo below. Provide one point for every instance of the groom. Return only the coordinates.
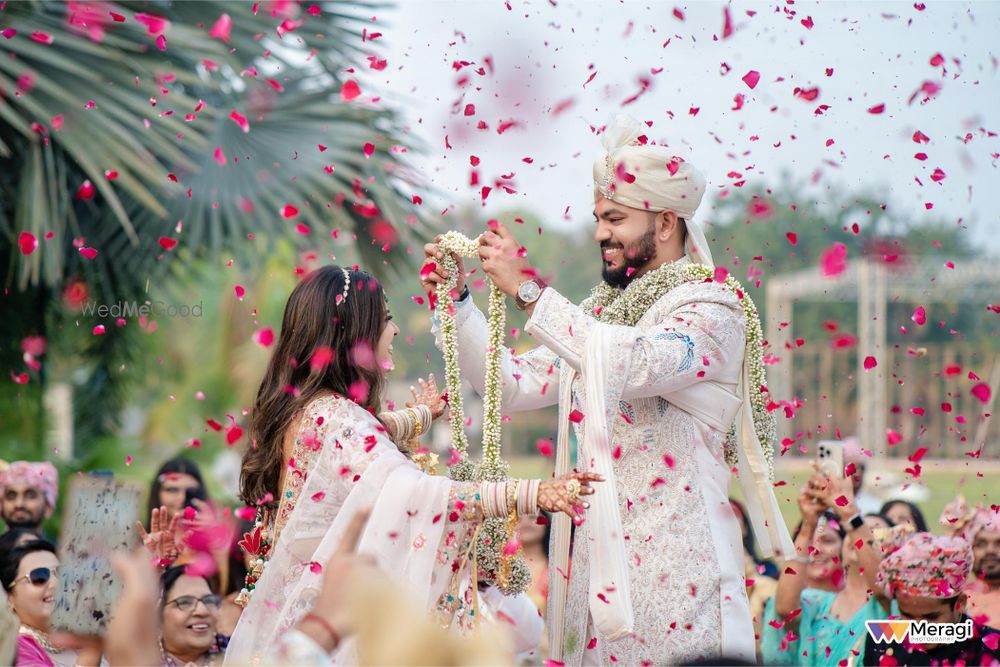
(654, 374)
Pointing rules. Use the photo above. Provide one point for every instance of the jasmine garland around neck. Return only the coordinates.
(626, 307)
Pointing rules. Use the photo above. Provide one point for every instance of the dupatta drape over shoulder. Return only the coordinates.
(344, 462)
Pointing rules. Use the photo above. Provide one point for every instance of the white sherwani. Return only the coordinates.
(682, 540)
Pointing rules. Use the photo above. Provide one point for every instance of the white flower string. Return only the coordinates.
(626, 307)
(494, 534)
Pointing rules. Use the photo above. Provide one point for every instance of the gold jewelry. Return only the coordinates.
(418, 428)
(573, 488)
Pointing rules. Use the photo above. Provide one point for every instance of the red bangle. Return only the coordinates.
(326, 626)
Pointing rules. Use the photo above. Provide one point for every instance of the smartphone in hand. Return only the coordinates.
(831, 458)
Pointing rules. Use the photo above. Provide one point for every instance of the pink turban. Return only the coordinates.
(927, 566)
(42, 476)
(983, 519)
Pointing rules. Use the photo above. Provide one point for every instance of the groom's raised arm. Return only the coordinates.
(694, 342)
(530, 380)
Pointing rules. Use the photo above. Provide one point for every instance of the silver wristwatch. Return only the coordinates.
(528, 292)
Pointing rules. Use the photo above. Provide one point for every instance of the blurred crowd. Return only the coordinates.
(856, 561)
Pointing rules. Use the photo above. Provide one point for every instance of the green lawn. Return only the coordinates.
(943, 479)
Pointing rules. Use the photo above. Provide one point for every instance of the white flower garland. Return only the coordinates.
(626, 307)
(494, 533)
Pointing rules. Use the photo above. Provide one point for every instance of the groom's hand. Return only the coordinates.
(505, 261)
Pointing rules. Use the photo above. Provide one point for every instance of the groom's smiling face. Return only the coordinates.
(627, 239)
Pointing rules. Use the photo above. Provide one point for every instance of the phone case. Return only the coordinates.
(99, 521)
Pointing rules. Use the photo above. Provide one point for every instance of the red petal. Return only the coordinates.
(751, 79)
(350, 90)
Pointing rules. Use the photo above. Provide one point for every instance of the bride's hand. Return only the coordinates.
(563, 494)
(429, 395)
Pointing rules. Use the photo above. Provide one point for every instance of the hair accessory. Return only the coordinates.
(347, 286)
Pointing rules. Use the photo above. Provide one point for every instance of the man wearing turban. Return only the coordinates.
(983, 533)
(27, 494)
(653, 373)
(927, 577)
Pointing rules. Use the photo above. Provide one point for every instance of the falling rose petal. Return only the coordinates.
(833, 261)
(8, 33)
(245, 513)
(264, 337)
(89, 253)
(992, 640)
(320, 358)
(920, 138)
(841, 501)
(919, 316)
(240, 120)
(877, 109)
(982, 391)
(239, 292)
(727, 23)
(358, 391)
(669, 461)
(233, 434)
(369, 148)
(19, 379)
(219, 156)
(128, 459)
(154, 24)
(870, 363)
(807, 94)
(42, 37)
(937, 60)
(544, 446)
(86, 191)
(288, 211)
(576, 416)
(110, 174)
(938, 175)
(99, 330)
(222, 28)
(161, 42)
(843, 341)
(792, 237)
(314, 10)
(350, 90)
(167, 243)
(751, 78)
(721, 273)
(892, 438)
(27, 243)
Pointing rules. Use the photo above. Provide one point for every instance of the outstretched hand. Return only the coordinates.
(562, 494)
(429, 395)
(161, 541)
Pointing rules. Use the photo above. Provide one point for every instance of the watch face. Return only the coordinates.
(529, 291)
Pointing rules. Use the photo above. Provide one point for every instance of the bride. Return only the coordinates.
(321, 451)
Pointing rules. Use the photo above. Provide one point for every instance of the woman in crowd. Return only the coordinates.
(171, 485)
(819, 627)
(29, 574)
(321, 454)
(878, 522)
(903, 511)
(189, 613)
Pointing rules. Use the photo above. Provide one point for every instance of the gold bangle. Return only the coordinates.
(418, 428)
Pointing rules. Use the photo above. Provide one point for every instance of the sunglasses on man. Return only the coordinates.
(38, 576)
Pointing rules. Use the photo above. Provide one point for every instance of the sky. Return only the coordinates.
(557, 70)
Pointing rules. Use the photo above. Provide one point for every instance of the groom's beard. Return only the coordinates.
(636, 256)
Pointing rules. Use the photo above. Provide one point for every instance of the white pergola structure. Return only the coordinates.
(871, 285)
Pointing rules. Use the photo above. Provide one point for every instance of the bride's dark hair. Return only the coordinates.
(316, 319)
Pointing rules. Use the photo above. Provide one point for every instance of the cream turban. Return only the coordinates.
(640, 175)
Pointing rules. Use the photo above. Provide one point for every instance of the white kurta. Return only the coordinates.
(682, 540)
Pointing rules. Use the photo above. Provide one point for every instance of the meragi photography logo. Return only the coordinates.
(918, 632)
(133, 309)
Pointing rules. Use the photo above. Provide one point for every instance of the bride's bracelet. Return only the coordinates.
(406, 424)
(499, 499)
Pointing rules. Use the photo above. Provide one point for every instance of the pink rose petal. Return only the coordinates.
(919, 316)
(870, 363)
(222, 28)
(27, 242)
(877, 109)
(288, 211)
(167, 243)
(751, 78)
(264, 337)
(219, 156)
(89, 253)
(369, 148)
(982, 391)
(86, 191)
(99, 330)
(576, 416)
(42, 37)
(892, 438)
(834, 260)
(240, 120)
(544, 446)
(350, 90)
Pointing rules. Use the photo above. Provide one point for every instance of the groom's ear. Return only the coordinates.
(667, 226)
